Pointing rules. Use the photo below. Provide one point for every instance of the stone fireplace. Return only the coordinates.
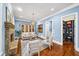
(9, 37)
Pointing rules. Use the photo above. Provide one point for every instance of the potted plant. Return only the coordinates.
(18, 33)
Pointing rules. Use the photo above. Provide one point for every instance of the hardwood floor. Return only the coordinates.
(56, 50)
(66, 50)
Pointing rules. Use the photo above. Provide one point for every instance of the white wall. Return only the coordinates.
(1, 29)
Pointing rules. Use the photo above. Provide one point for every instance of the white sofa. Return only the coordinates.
(25, 47)
(25, 35)
(25, 43)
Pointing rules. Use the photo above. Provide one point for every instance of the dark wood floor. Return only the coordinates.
(66, 50)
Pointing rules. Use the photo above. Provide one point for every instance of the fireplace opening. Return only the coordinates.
(11, 37)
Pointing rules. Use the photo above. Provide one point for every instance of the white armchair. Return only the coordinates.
(34, 46)
(25, 35)
(48, 41)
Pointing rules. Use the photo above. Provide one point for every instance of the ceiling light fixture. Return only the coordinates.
(52, 9)
(19, 9)
(33, 14)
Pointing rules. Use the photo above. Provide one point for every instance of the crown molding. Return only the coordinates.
(67, 8)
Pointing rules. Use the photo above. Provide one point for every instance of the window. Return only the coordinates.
(27, 28)
(22, 28)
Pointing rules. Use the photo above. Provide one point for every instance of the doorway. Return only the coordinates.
(68, 37)
(70, 18)
(68, 31)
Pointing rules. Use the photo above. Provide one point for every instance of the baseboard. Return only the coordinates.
(57, 42)
(77, 49)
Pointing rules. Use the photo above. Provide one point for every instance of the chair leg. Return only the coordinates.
(29, 53)
(38, 53)
(50, 47)
(39, 49)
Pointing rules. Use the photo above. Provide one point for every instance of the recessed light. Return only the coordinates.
(21, 16)
(19, 9)
(52, 9)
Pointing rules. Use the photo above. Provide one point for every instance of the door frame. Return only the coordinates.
(75, 29)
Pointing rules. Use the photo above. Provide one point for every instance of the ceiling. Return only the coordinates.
(37, 10)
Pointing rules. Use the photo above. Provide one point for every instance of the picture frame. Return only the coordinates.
(40, 28)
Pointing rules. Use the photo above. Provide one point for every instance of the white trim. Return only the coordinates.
(24, 20)
(71, 6)
(75, 30)
(57, 42)
(28, 28)
(76, 38)
(67, 8)
(61, 30)
(31, 28)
